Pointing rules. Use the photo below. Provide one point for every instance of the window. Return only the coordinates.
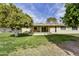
(74, 28)
(63, 28)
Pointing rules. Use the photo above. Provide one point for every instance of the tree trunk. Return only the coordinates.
(16, 32)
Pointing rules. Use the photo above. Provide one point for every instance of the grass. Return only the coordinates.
(60, 38)
(9, 44)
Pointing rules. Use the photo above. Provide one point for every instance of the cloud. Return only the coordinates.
(41, 11)
(60, 12)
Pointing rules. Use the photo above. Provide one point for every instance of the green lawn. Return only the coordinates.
(9, 44)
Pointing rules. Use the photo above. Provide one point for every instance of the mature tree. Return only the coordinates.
(12, 17)
(71, 17)
(3, 15)
(51, 20)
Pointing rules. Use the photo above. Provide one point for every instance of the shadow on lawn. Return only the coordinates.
(60, 39)
(21, 35)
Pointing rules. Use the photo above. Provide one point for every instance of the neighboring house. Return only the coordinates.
(5, 30)
(52, 29)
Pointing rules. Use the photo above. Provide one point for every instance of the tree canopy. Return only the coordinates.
(71, 17)
(13, 17)
(51, 20)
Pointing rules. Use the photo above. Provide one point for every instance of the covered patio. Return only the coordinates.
(40, 29)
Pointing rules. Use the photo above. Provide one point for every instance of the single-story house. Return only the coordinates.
(52, 29)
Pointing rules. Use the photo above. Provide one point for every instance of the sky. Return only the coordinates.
(41, 11)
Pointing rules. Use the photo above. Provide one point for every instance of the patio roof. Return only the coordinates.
(46, 24)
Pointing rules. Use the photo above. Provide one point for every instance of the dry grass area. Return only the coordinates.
(43, 50)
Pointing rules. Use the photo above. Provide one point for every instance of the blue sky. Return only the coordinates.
(41, 11)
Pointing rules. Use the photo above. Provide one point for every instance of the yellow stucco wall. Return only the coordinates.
(52, 30)
(68, 30)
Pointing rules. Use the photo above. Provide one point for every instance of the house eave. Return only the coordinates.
(49, 25)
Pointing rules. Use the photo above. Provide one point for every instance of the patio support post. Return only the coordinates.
(40, 29)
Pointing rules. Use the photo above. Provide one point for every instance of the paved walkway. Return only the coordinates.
(49, 33)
